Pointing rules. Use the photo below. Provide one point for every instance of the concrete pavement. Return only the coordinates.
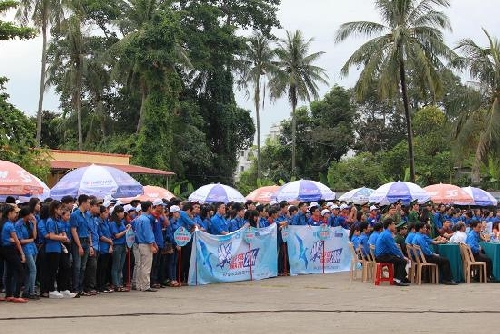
(313, 303)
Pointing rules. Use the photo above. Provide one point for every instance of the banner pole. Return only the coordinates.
(285, 260)
(250, 260)
(196, 257)
(323, 259)
(128, 267)
(179, 264)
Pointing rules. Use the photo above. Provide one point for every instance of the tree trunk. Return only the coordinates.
(406, 104)
(143, 103)
(39, 113)
(78, 101)
(294, 132)
(257, 116)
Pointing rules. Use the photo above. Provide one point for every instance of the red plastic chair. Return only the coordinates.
(378, 274)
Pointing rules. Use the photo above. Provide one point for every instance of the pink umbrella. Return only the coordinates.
(448, 194)
(263, 194)
(150, 194)
(16, 181)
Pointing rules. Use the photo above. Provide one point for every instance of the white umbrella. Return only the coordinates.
(357, 196)
(216, 192)
(481, 197)
(304, 190)
(394, 191)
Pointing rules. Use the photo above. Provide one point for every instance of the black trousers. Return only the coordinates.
(399, 264)
(481, 257)
(102, 270)
(186, 261)
(53, 260)
(64, 272)
(89, 282)
(443, 265)
(13, 271)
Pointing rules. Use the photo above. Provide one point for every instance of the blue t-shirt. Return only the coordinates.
(23, 234)
(372, 240)
(143, 231)
(423, 241)
(473, 241)
(157, 226)
(386, 245)
(236, 224)
(41, 231)
(104, 231)
(53, 226)
(299, 219)
(80, 221)
(7, 230)
(94, 231)
(263, 222)
(409, 238)
(355, 241)
(363, 243)
(116, 228)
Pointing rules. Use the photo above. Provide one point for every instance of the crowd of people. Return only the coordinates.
(86, 246)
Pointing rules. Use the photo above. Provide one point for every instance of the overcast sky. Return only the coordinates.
(318, 19)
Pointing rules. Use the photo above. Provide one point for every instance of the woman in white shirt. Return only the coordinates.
(460, 235)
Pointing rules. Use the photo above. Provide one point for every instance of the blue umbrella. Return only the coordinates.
(304, 190)
(216, 192)
(394, 191)
(357, 196)
(481, 197)
(99, 181)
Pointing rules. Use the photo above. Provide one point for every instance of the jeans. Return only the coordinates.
(79, 263)
(30, 275)
(171, 260)
(118, 255)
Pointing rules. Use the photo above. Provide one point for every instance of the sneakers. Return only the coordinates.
(56, 295)
(68, 294)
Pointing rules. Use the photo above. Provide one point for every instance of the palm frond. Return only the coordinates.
(359, 28)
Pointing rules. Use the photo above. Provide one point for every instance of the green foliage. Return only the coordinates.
(363, 170)
(9, 30)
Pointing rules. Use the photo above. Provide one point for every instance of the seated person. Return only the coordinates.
(402, 230)
(354, 237)
(363, 239)
(386, 251)
(473, 240)
(422, 239)
(459, 235)
(484, 235)
(377, 228)
(446, 231)
(411, 234)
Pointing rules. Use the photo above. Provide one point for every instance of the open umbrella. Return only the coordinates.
(448, 194)
(23, 199)
(480, 197)
(14, 180)
(216, 192)
(150, 194)
(304, 190)
(357, 196)
(96, 180)
(262, 194)
(394, 191)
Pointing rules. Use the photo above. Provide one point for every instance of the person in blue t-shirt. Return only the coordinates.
(12, 253)
(90, 281)
(363, 239)
(239, 219)
(300, 218)
(81, 241)
(118, 232)
(218, 224)
(26, 233)
(422, 240)
(386, 251)
(377, 229)
(263, 216)
(315, 219)
(473, 240)
(354, 237)
(105, 250)
(147, 247)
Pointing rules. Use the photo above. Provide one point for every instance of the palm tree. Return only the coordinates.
(483, 64)
(296, 76)
(257, 62)
(410, 40)
(42, 14)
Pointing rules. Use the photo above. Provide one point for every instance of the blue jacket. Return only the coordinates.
(473, 241)
(423, 241)
(386, 245)
(143, 231)
(409, 238)
(80, 221)
(236, 223)
(186, 221)
(372, 240)
(218, 224)
(299, 219)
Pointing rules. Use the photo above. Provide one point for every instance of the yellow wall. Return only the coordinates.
(92, 157)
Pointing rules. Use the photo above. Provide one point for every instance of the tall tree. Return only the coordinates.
(483, 64)
(42, 14)
(409, 40)
(257, 61)
(9, 30)
(296, 76)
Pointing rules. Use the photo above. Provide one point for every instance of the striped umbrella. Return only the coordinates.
(394, 191)
(481, 197)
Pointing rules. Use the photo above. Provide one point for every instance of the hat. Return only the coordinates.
(401, 225)
(273, 202)
(175, 208)
(313, 204)
(364, 204)
(157, 202)
(329, 204)
(325, 211)
(373, 208)
(344, 206)
(334, 207)
(128, 207)
(138, 208)
(414, 202)
(106, 203)
(16, 208)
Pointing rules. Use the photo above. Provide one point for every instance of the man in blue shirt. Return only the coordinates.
(147, 247)
(473, 240)
(81, 242)
(186, 221)
(218, 224)
(411, 234)
(300, 218)
(263, 216)
(363, 239)
(422, 240)
(386, 251)
(238, 221)
(90, 281)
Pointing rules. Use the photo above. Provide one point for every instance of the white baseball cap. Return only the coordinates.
(325, 211)
(334, 207)
(175, 208)
(313, 204)
(157, 202)
(373, 208)
(344, 206)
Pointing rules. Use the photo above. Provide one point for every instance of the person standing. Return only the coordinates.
(90, 280)
(105, 250)
(146, 246)
(218, 224)
(80, 246)
(118, 232)
(26, 232)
